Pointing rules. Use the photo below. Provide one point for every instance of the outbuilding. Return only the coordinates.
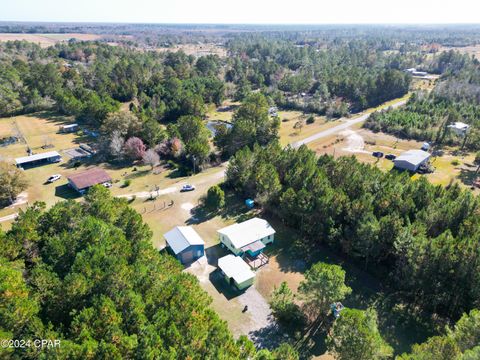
(185, 244)
(249, 237)
(38, 159)
(459, 128)
(236, 271)
(411, 160)
(82, 181)
(69, 128)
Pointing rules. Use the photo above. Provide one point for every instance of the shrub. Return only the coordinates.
(126, 183)
(311, 119)
(455, 162)
(215, 198)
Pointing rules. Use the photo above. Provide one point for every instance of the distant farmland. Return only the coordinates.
(46, 40)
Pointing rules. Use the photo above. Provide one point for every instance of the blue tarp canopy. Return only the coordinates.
(250, 203)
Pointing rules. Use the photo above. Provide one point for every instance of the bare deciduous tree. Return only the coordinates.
(116, 146)
(151, 158)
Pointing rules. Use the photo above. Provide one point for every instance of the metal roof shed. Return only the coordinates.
(185, 243)
(37, 159)
(411, 160)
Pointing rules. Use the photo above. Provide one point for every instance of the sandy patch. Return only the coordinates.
(187, 206)
(354, 141)
(8, 217)
(148, 194)
(21, 199)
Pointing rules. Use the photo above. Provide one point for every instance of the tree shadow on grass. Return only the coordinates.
(233, 209)
(467, 176)
(137, 174)
(52, 116)
(200, 214)
(269, 337)
(236, 209)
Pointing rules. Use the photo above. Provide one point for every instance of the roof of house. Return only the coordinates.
(459, 126)
(247, 232)
(42, 156)
(89, 178)
(414, 157)
(234, 267)
(181, 237)
(69, 126)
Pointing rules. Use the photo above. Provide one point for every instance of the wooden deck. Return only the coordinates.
(256, 262)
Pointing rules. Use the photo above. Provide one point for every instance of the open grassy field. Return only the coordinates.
(43, 127)
(36, 131)
(197, 49)
(362, 142)
(290, 134)
(473, 50)
(46, 40)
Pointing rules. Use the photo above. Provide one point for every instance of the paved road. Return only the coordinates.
(345, 125)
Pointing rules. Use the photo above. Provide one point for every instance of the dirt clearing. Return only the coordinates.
(46, 40)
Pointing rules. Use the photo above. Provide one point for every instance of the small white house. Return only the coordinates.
(415, 72)
(236, 271)
(69, 128)
(185, 244)
(411, 160)
(250, 236)
(459, 128)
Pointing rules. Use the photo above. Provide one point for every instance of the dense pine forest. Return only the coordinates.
(86, 272)
(409, 228)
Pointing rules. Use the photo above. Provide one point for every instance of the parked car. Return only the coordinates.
(390, 157)
(187, 187)
(107, 184)
(53, 178)
(425, 146)
(377, 154)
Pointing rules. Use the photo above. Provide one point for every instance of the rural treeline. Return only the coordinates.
(424, 237)
(330, 81)
(426, 117)
(89, 79)
(87, 274)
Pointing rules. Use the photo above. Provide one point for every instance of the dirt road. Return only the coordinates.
(345, 125)
(8, 217)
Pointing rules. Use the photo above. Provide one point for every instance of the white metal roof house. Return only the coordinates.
(38, 159)
(236, 271)
(69, 128)
(411, 160)
(459, 128)
(249, 236)
(185, 243)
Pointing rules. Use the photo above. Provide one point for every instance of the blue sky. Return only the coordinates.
(243, 11)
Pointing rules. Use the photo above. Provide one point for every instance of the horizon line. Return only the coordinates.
(242, 23)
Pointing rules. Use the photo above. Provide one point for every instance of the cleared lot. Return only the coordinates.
(46, 40)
